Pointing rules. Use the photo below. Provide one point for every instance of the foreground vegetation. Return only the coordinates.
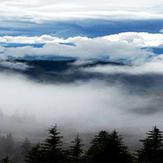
(104, 148)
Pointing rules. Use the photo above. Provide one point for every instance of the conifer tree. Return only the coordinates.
(35, 155)
(76, 150)
(108, 148)
(49, 151)
(9, 145)
(53, 146)
(25, 147)
(152, 150)
(118, 151)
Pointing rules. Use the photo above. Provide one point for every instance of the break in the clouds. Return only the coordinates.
(39, 10)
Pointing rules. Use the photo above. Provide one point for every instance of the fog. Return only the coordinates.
(28, 107)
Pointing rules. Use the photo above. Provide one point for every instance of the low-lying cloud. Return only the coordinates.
(81, 107)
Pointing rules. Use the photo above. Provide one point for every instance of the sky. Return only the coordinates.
(125, 94)
(40, 10)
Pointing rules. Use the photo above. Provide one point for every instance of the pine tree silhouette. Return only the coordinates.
(53, 146)
(35, 155)
(76, 150)
(108, 148)
(96, 152)
(118, 151)
(49, 151)
(152, 151)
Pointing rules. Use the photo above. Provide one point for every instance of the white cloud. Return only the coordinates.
(74, 106)
(152, 67)
(14, 65)
(139, 39)
(33, 39)
(120, 46)
(161, 30)
(39, 10)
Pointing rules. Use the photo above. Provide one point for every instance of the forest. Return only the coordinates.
(105, 147)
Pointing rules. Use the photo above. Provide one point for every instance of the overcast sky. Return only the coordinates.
(62, 9)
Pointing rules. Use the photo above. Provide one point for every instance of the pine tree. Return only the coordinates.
(96, 153)
(53, 142)
(49, 151)
(8, 145)
(26, 146)
(24, 149)
(53, 146)
(108, 148)
(152, 151)
(35, 155)
(76, 150)
(118, 151)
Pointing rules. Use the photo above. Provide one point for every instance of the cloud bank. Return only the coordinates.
(25, 104)
(132, 46)
(152, 67)
(139, 39)
(39, 10)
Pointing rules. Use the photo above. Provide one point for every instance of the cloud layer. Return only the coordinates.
(25, 104)
(132, 46)
(39, 10)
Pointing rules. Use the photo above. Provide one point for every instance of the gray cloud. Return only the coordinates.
(81, 107)
(154, 66)
(14, 65)
(52, 10)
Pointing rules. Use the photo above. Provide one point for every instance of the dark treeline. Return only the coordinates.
(105, 147)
